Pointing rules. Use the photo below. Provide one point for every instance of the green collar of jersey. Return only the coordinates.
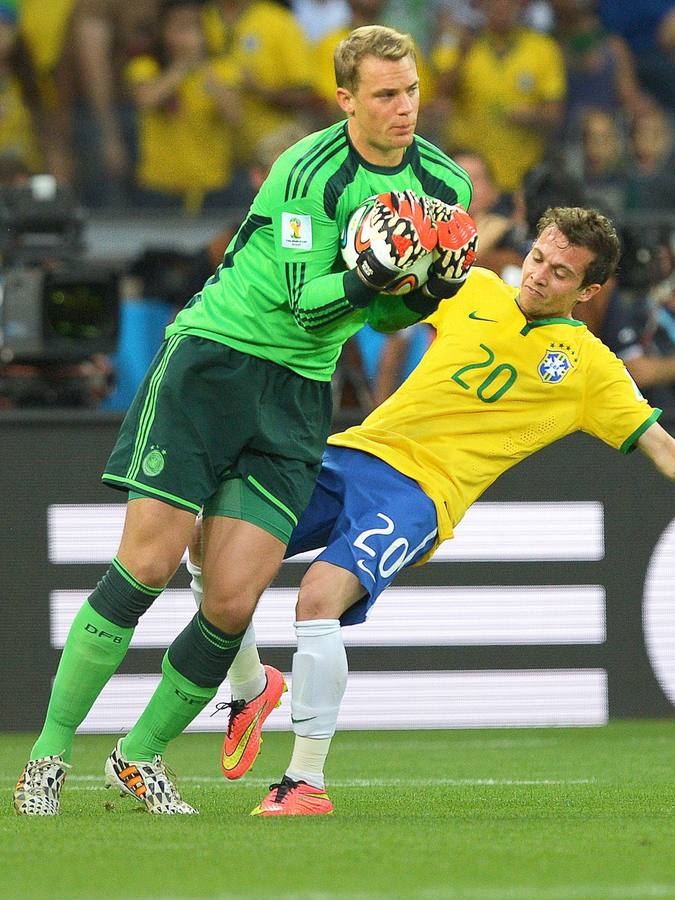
(554, 320)
(380, 170)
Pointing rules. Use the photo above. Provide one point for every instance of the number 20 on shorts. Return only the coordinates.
(397, 554)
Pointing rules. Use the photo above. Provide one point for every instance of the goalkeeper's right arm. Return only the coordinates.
(388, 313)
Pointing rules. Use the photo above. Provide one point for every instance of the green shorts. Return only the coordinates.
(235, 499)
(206, 413)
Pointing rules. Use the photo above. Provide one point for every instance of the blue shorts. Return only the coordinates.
(372, 520)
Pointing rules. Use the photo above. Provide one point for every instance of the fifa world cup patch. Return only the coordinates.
(560, 358)
(296, 231)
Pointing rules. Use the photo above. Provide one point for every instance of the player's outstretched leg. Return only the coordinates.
(150, 783)
(38, 791)
(243, 738)
(319, 682)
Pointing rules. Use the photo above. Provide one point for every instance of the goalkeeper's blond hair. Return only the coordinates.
(370, 40)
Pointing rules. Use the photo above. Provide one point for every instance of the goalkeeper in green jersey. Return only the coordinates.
(234, 412)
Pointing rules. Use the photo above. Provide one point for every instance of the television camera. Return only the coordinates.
(57, 308)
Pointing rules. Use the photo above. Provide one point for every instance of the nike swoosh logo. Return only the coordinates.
(229, 762)
(360, 563)
(472, 315)
(297, 721)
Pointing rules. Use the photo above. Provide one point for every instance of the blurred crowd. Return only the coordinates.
(182, 104)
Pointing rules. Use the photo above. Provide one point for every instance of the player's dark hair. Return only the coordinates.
(369, 40)
(590, 229)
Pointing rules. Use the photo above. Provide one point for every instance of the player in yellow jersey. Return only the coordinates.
(506, 84)
(274, 63)
(510, 371)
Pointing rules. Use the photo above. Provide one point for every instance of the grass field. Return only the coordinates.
(481, 815)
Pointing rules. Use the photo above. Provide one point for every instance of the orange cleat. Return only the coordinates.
(242, 739)
(294, 798)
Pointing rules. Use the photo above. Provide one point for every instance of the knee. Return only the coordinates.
(230, 610)
(313, 603)
(153, 572)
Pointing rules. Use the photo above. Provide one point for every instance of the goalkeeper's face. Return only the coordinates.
(383, 108)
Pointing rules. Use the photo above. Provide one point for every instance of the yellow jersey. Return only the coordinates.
(18, 136)
(490, 86)
(269, 47)
(493, 389)
(185, 148)
(44, 27)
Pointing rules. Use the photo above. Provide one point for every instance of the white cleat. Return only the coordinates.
(148, 782)
(38, 791)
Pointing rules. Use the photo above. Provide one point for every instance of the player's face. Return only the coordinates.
(553, 271)
(383, 109)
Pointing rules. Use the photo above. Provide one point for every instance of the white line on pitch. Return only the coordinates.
(562, 892)
(368, 782)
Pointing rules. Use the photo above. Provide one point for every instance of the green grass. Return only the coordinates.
(482, 815)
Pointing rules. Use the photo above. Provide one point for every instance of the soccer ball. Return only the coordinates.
(356, 237)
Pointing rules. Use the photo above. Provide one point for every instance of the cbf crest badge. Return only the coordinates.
(560, 359)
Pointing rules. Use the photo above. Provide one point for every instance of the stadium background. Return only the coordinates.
(555, 603)
(553, 606)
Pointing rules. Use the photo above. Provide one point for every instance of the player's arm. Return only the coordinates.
(306, 247)
(318, 295)
(659, 446)
(650, 370)
(387, 313)
(615, 411)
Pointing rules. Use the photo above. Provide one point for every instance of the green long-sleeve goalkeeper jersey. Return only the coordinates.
(280, 292)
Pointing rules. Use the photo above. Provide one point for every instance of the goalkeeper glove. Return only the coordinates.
(400, 231)
(456, 248)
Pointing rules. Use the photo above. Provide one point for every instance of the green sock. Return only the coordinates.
(93, 651)
(172, 707)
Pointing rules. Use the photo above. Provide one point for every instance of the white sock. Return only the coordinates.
(196, 585)
(319, 682)
(307, 762)
(246, 674)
